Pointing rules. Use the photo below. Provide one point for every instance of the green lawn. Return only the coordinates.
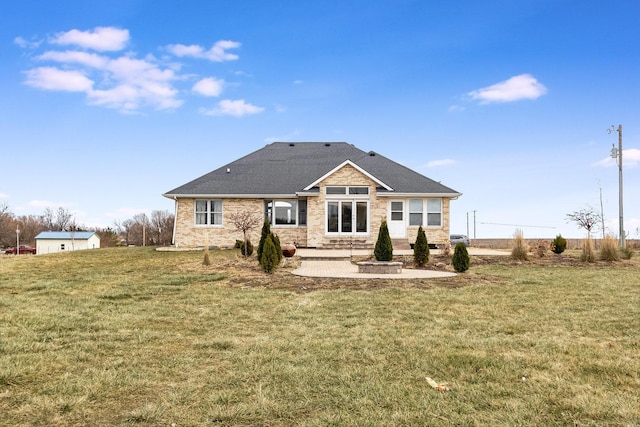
(131, 336)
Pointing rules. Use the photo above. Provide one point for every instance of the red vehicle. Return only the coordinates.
(23, 249)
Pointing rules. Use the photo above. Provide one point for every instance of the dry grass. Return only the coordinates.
(137, 337)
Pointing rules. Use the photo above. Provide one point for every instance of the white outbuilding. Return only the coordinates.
(49, 242)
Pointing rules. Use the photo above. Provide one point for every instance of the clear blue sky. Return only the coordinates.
(104, 106)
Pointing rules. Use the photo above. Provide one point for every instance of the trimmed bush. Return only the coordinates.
(520, 250)
(609, 249)
(266, 230)
(384, 248)
(276, 243)
(269, 259)
(558, 245)
(460, 258)
(421, 249)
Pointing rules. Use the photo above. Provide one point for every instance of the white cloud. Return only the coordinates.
(208, 86)
(70, 57)
(42, 204)
(217, 52)
(235, 108)
(101, 38)
(50, 78)
(524, 86)
(123, 81)
(442, 162)
(4, 196)
(456, 108)
(24, 43)
(630, 158)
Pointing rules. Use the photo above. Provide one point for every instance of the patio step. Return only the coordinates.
(400, 244)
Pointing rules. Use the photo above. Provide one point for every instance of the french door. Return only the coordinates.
(347, 217)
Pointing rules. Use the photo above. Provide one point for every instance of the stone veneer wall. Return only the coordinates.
(225, 235)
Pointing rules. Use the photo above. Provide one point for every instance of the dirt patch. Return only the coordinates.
(246, 273)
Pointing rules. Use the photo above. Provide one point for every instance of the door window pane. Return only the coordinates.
(332, 217)
(347, 217)
(361, 217)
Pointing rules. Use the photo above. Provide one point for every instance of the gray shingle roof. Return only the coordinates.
(65, 235)
(285, 168)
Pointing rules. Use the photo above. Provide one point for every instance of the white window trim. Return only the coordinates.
(195, 212)
(272, 220)
(425, 218)
(353, 199)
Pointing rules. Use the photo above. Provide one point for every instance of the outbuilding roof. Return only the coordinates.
(66, 235)
(286, 168)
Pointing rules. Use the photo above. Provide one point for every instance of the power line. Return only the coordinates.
(517, 225)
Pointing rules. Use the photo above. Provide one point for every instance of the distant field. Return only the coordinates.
(131, 336)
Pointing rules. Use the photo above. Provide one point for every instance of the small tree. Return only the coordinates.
(266, 230)
(245, 221)
(586, 218)
(558, 245)
(384, 248)
(460, 258)
(421, 249)
(269, 259)
(276, 243)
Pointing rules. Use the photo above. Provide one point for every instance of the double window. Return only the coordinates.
(208, 212)
(347, 209)
(286, 212)
(433, 211)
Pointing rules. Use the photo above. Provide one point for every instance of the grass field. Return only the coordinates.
(132, 336)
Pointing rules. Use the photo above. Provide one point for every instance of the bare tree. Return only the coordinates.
(59, 220)
(7, 225)
(586, 218)
(245, 221)
(161, 227)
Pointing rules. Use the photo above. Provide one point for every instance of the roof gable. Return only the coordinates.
(345, 163)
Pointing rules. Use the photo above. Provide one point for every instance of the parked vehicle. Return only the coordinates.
(459, 238)
(22, 249)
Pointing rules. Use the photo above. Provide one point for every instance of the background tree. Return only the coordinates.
(384, 248)
(586, 218)
(161, 227)
(245, 221)
(7, 226)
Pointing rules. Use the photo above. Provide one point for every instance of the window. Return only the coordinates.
(397, 211)
(354, 191)
(434, 212)
(415, 212)
(62, 246)
(208, 212)
(286, 212)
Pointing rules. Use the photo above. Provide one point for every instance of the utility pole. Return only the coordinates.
(474, 225)
(616, 153)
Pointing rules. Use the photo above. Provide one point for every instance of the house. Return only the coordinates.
(315, 194)
(49, 242)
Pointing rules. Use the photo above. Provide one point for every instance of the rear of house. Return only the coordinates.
(320, 194)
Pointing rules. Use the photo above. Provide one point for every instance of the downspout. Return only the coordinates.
(175, 221)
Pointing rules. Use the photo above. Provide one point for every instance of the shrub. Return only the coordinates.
(460, 259)
(421, 249)
(384, 248)
(541, 248)
(587, 251)
(276, 243)
(269, 259)
(609, 249)
(240, 245)
(266, 230)
(559, 244)
(626, 252)
(520, 251)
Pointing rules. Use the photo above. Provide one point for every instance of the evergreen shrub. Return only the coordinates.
(269, 259)
(421, 249)
(559, 244)
(384, 248)
(460, 258)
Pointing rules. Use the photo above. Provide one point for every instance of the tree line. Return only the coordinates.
(155, 229)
